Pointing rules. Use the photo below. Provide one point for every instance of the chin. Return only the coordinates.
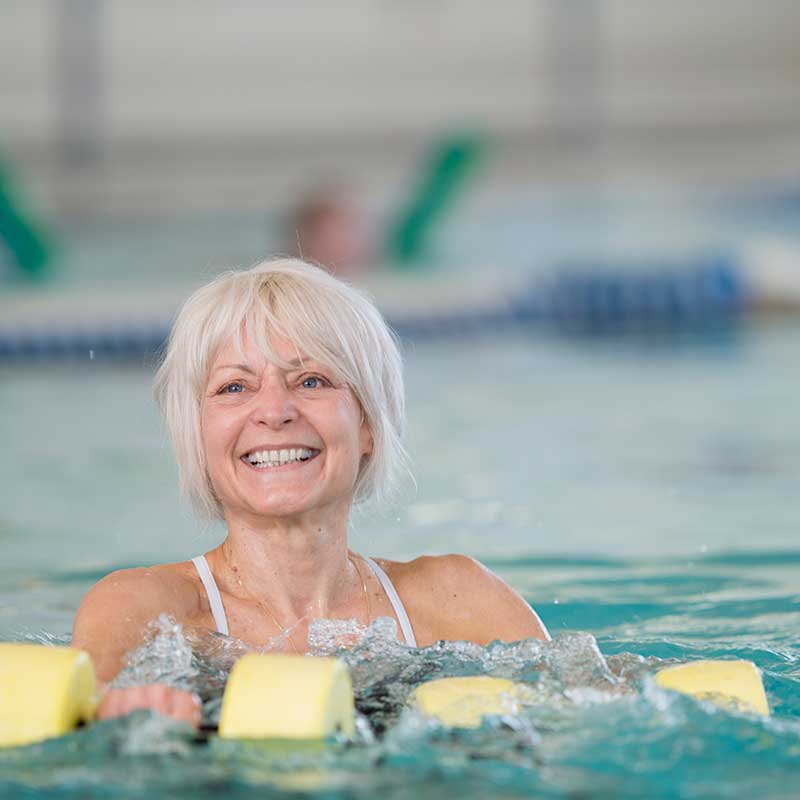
(293, 507)
(282, 506)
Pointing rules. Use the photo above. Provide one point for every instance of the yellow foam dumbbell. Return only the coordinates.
(463, 702)
(726, 683)
(277, 696)
(44, 691)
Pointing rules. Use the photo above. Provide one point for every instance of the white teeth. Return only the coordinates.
(277, 458)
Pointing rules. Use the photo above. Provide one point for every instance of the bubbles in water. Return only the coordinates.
(327, 636)
(142, 734)
(569, 671)
(43, 637)
(166, 656)
(575, 660)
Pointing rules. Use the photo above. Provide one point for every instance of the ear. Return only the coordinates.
(366, 443)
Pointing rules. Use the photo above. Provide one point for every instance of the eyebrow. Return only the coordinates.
(242, 367)
(294, 363)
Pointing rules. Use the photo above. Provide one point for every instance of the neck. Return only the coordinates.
(299, 567)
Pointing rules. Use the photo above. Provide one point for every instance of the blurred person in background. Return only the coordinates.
(328, 228)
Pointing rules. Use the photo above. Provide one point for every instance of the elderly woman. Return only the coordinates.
(282, 392)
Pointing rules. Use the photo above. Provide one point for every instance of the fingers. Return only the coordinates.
(186, 706)
(176, 703)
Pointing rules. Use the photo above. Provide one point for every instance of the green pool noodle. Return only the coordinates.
(442, 180)
(22, 235)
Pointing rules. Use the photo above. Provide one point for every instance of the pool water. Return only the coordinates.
(642, 495)
(521, 445)
(599, 729)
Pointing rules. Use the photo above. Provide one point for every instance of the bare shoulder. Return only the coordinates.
(141, 588)
(456, 597)
(115, 612)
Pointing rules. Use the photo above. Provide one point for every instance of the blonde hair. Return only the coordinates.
(330, 321)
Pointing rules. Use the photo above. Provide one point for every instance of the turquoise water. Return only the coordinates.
(521, 445)
(600, 729)
(641, 495)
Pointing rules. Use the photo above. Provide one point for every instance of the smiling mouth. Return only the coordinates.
(270, 459)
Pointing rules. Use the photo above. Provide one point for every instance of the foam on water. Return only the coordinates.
(593, 726)
(570, 669)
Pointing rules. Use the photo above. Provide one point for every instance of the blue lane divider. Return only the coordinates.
(606, 299)
(666, 297)
(83, 345)
(595, 301)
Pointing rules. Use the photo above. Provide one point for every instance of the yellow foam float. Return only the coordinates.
(44, 692)
(273, 696)
(47, 691)
(463, 702)
(734, 683)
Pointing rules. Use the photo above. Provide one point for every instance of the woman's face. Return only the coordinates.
(280, 443)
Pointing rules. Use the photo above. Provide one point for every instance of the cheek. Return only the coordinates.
(206, 429)
(214, 433)
(350, 426)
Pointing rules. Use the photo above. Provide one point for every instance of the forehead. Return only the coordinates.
(254, 353)
(271, 348)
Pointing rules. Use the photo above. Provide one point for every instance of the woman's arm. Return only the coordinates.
(111, 621)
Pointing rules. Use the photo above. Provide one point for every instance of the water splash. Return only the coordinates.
(165, 656)
(592, 726)
(329, 636)
(568, 670)
(45, 638)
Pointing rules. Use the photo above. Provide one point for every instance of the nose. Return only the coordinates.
(275, 405)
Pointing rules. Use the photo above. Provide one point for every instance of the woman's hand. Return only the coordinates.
(176, 703)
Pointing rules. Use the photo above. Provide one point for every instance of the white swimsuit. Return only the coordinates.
(221, 621)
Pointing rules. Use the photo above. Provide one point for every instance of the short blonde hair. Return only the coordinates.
(330, 321)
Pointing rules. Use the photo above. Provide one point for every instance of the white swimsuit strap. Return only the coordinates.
(397, 603)
(214, 599)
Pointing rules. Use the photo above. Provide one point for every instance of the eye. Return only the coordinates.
(313, 382)
(232, 388)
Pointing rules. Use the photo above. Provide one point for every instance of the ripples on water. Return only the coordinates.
(595, 726)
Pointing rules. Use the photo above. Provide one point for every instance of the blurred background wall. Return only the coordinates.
(112, 105)
(635, 194)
